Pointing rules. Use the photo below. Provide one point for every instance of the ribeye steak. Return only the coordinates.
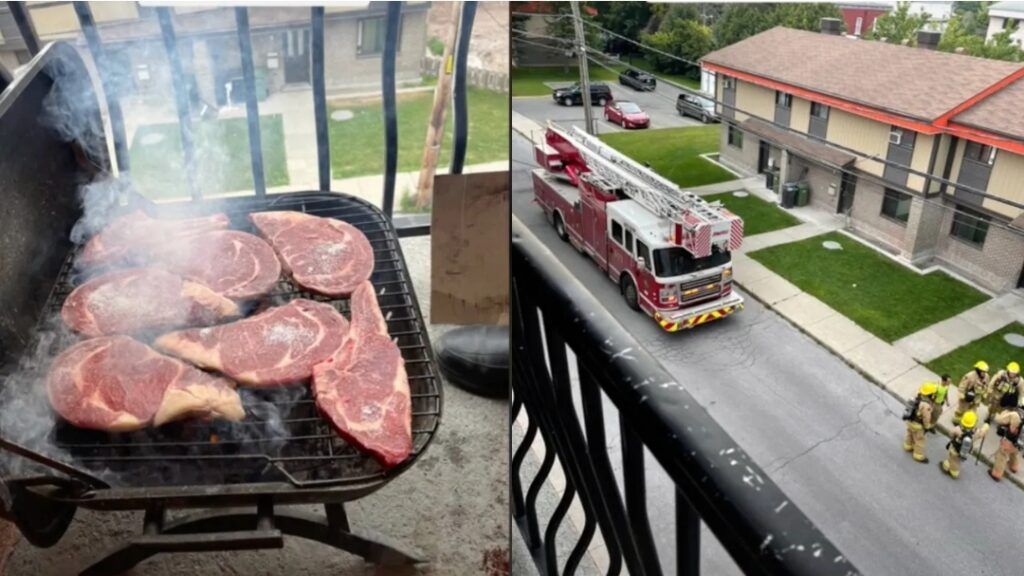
(276, 347)
(136, 233)
(117, 384)
(363, 390)
(237, 265)
(142, 299)
(323, 255)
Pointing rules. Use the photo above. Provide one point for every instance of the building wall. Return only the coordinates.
(868, 15)
(997, 23)
(344, 69)
(1006, 181)
(745, 159)
(996, 265)
(55, 20)
(863, 135)
(9, 60)
(757, 100)
(800, 115)
(940, 161)
(923, 144)
(820, 180)
(867, 215)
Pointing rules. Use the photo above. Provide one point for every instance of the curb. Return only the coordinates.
(1014, 479)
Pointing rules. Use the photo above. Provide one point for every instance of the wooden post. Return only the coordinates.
(435, 127)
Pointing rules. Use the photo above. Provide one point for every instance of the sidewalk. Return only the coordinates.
(894, 367)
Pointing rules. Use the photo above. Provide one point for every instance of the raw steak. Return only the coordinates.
(142, 299)
(276, 347)
(117, 384)
(234, 264)
(323, 255)
(363, 390)
(136, 233)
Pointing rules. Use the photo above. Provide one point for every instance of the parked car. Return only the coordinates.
(700, 108)
(637, 80)
(600, 94)
(626, 114)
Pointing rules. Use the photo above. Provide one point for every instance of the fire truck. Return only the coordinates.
(668, 250)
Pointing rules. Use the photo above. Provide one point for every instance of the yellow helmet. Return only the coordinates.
(928, 389)
(1013, 368)
(969, 419)
(981, 365)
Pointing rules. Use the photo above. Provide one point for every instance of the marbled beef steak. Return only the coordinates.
(234, 264)
(276, 347)
(363, 390)
(142, 299)
(136, 233)
(324, 255)
(117, 384)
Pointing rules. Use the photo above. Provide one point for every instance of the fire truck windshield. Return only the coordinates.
(677, 261)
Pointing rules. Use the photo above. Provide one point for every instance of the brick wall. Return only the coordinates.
(818, 178)
(742, 160)
(996, 265)
(867, 216)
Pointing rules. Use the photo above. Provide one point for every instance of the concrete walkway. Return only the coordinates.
(943, 337)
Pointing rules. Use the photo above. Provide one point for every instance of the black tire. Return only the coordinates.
(629, 292)
(567, 101)
(703, 118)
(601, 101)
(559, 227)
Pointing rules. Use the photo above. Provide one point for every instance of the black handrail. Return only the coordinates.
(387, 70)
(181, 100)
(716, 481)
(19, 10)
(323, 147)
(252, 111)
(460, 112)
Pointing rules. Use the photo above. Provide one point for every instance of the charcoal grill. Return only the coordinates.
(282, 453)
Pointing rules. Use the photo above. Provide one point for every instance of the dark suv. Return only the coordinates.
(600, 94)
(700, 108)
(638, 80)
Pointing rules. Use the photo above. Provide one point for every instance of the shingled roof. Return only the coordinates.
(912, 82)
(1001, 113)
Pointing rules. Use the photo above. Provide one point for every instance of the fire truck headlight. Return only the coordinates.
(669, 295)
(727, 274)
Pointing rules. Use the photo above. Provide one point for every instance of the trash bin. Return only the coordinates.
(789, 192)
(803, 194)
(769, 180)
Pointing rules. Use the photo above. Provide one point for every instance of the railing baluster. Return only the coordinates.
(323, 147)
(461, 113)
(554, 523)
(518, 508)
(387, 71)
(19, 10)
(533, 528)
(635, 479)
(687, 537)
(92, 38)
(181, 100)
(252, 111)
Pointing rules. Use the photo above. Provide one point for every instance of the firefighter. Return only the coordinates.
(972, 387)
(942, 396)
(1008, 424)
(919, 420)
(1003, 390)
(962, 441)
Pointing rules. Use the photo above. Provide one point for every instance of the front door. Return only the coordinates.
(1020, 281)
(296, 55)
(847, 187)
(762, 157)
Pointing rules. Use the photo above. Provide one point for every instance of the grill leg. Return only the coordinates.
(226, 530)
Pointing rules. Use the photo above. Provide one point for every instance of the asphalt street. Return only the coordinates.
(829, 438)
(659, 105)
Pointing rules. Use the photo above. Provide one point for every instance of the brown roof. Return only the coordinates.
(1002, 112)
(802, 145)
(913, 82)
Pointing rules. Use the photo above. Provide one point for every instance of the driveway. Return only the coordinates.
(829, 438)
(659, 105)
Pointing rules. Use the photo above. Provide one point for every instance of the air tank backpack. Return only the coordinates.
(911, 412)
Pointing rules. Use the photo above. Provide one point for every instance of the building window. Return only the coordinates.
(370, 35)
(783, 99)
(858, 25)
(616, 231)
(896, 205)
(1010, 23)
(970, 226)
(735, 137)
(819, 110)
(980, 153)
(895, 135)
(728, 83)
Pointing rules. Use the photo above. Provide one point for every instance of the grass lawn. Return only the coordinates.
(674, 153)
(758, 216)
(531, 81)
(357, 144)
(222, 157)
(878, 294)
(992, 349)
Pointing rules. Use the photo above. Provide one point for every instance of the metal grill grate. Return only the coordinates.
(283, 436)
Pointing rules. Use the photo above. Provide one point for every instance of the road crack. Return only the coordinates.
(786, 461)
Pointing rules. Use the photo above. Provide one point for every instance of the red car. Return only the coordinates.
(626, 114)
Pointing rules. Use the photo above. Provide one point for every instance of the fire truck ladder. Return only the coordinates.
(639, 183)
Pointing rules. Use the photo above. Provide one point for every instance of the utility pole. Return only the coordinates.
(581, 54)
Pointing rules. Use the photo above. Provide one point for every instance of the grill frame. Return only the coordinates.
(285, 490)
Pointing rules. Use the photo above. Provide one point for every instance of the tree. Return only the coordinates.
(805, 16)
(687, 39)
(739, 21)
(957, 38)
(1003, 46)
(626, 18)
(899, 26)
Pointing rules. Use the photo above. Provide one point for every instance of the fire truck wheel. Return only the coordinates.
(629, 292)
(559, 226)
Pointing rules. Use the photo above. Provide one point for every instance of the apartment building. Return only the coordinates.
(1006, 16)
(208, 45)
(844, 115)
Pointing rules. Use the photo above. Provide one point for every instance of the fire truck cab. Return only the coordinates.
(668, 251)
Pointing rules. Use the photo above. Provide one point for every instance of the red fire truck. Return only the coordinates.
(668, 250)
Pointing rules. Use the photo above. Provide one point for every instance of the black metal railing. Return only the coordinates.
(407, 226)
(716, 482)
